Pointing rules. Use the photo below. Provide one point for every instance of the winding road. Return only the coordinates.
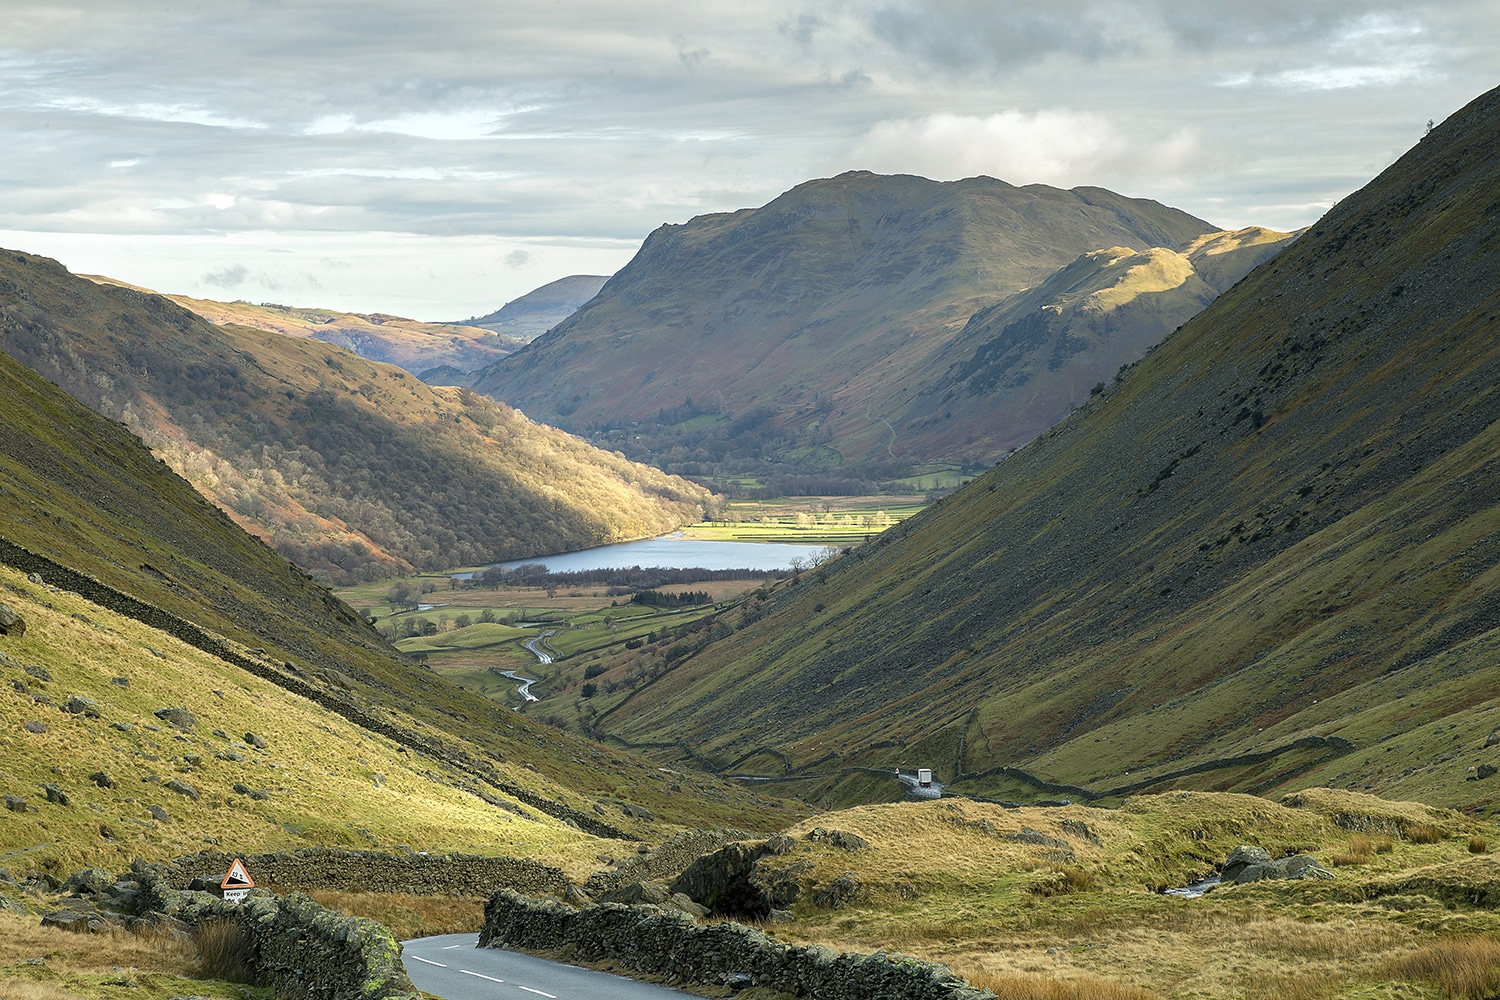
(452, 967)
(532, 646)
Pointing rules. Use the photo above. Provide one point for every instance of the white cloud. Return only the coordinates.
(185, 114)
(1051, 147)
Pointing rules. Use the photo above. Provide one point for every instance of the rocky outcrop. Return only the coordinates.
(1247, 863)
(666, 862)
(655, 941)
(11, 623)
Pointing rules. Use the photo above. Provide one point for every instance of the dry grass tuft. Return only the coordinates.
(1361, 850)
(154, 950)
(1292, 986)
(1478, 845)
(223, 951)
(1422, 833)
(1062, 879)
(1383, 845)
(1024, 986)
(1465, 968)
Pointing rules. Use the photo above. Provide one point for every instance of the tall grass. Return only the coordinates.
(408, 916)
(223, 951)
(1422, 833)
(1464, 968)
(1025, 986)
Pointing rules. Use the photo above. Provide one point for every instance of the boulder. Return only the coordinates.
(102, 779)
(635, 893)
(79, 705)
(1485, 771)
(56, 795)
(11, 623)
(91, 880)
(183, 788)
(256, 741)
(1240, 858)
(38, 671)
(177, 716)
(840, 892)
(838, 838)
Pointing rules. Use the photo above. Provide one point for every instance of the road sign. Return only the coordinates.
(237, 882)
(236, 895)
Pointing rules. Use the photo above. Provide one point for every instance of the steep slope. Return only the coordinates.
(1281, 525)
(1022, 364)
(540, 309)
(353, 469)
(141, 578)
(800, 325)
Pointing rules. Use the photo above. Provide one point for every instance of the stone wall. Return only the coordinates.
(373, 871)
(668, 943)
(292, 944)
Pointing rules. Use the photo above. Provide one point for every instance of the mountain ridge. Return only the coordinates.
(1135, 575)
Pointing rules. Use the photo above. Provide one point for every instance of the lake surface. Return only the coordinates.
(678, 553)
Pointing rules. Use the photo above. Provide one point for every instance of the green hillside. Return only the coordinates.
(1271, 544)
(142, 579)
(821, 332)
(353, 469)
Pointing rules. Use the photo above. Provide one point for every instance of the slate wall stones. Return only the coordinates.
(663, 942)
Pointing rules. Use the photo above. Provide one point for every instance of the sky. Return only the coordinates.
(436, 159)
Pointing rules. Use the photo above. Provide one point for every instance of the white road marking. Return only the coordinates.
(539, 993)
(480, 975)
(429, 961)
(452, 946)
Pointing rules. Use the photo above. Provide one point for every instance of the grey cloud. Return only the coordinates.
(229, 277)
(516, 259)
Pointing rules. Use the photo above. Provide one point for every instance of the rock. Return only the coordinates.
(38, 671)
(256, 741)
(183, 788)
(638, 892)
(77, 921)
(11, 623)
(123, 727)
(637, 812)
(102, 779)
(680, 901)
(780, 844)
(16, 804)
(255, 793)
(737, 981)
(1026, 835)
(838, 838)
(575, 896)
(56, 795)
(35, 578)
(840, 892)
(79, 705)
(123, 682)
(1485, 770)
(1241, 858)
(1304, 866)
(92, 880)
(780, 917)
(1078, 828)
(159, 814)
(177, 716)
(35, 727)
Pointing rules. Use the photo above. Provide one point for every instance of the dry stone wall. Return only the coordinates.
(668, 943)
(374, 871)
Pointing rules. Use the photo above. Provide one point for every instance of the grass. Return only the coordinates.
(1465, 968)
(154, 965)
(408, 916)
(831, 520)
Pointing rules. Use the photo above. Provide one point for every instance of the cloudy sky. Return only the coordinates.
(437, 158)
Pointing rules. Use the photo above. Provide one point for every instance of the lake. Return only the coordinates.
(678, 553)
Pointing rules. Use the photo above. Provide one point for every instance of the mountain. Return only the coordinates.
(540, 309)
(140, 598)
(1020, 365)
(795, 331)
(353, 469)
(395, 340)
(1269, 551)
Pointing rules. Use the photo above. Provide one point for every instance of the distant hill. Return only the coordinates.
(353, 469)
(1280, 531)
(405, 343)
(540, 309)
(144, 597)
(816, 330)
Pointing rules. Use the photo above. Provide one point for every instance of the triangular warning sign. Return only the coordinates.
(237, 878)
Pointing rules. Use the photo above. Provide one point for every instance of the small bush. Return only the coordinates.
(1422, 833)
(1361, 850)
(1383, 845)
(1062, 879)
(1478, 845)
(223, 951)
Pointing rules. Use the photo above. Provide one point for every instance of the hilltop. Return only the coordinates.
(539, 310)
(354, 469)
(817, 331)
(1265, 554)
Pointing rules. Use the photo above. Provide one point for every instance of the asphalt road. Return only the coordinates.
(451, 966)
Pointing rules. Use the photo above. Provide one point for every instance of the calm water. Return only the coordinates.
(680, 553)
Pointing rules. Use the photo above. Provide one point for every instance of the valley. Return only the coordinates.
(1170, 551)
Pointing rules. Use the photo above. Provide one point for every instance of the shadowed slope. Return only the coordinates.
(1284, 519)
(354, 469)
